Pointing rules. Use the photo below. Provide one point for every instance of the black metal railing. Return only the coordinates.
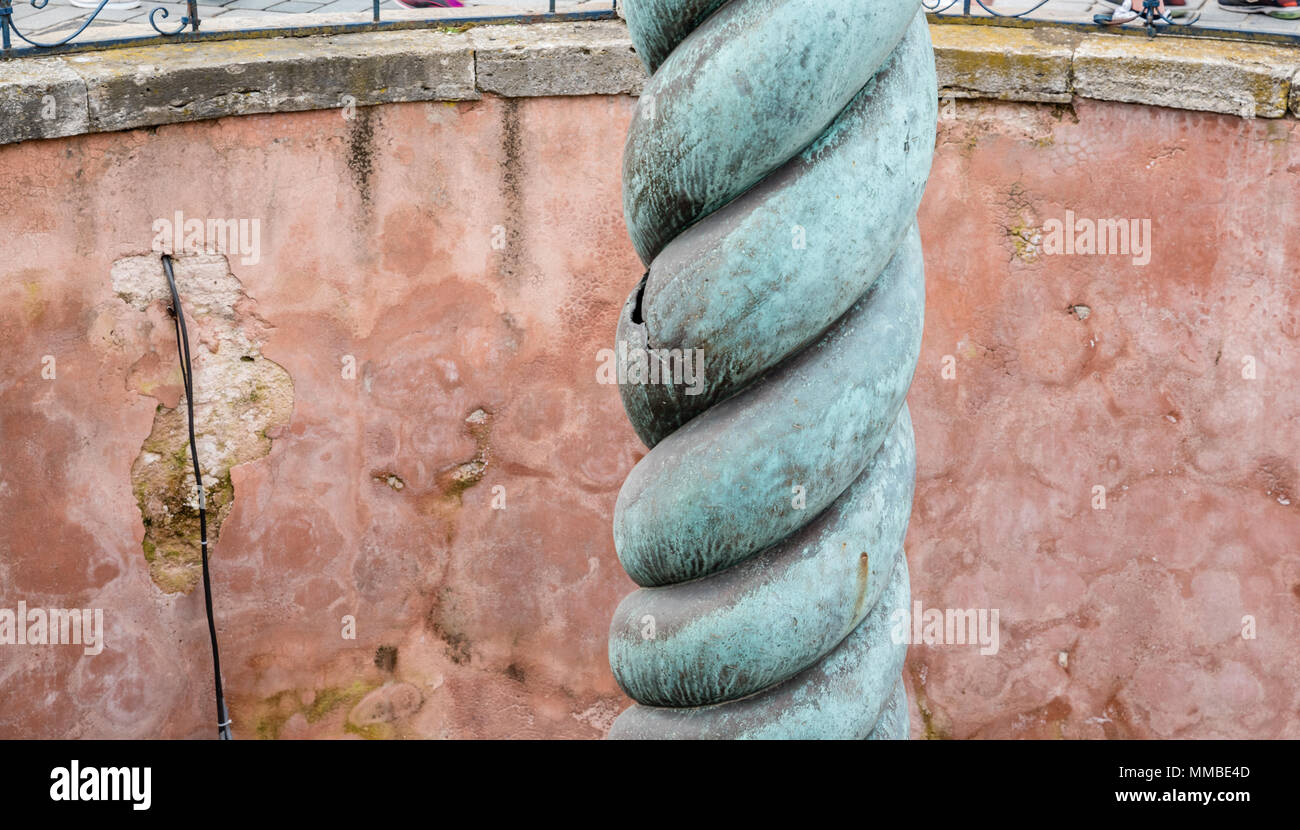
(944, 6)
(9, 27)
(14, 42)
(13, 38)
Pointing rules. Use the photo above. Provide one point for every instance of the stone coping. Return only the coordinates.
(126, 88)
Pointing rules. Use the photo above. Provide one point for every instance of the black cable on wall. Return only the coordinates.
(187, 376)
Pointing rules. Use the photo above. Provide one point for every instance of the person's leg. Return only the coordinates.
(1284, 9)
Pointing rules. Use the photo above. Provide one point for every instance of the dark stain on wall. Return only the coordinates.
(513, 262)
(386, 658)
(361, 154)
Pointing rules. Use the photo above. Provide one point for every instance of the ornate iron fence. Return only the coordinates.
(13, 38)
(943, 6)
(9, 27)
(15, 41)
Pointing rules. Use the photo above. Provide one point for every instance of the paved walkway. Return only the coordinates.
(1081, 11)
(59, 18)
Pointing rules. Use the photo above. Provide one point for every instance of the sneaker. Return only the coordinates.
(430, 4)
(1281, 9)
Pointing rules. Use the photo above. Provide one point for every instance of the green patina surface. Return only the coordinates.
(803, 596)
(771, 180)
(717, 116)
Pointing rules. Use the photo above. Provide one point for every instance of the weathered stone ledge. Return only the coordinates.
(120, 89)
(1050, 64)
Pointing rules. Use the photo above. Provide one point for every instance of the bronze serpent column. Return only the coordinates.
(771, 180)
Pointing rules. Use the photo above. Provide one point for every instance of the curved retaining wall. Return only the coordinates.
(415, 538)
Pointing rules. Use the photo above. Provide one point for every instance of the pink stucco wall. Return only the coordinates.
(377, 237)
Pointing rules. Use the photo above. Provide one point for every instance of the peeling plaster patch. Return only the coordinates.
(1278, 477)
(445, 500)
(937, 724)
(239, 397)
(391, 479)
(464, 476)
(600, 715)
